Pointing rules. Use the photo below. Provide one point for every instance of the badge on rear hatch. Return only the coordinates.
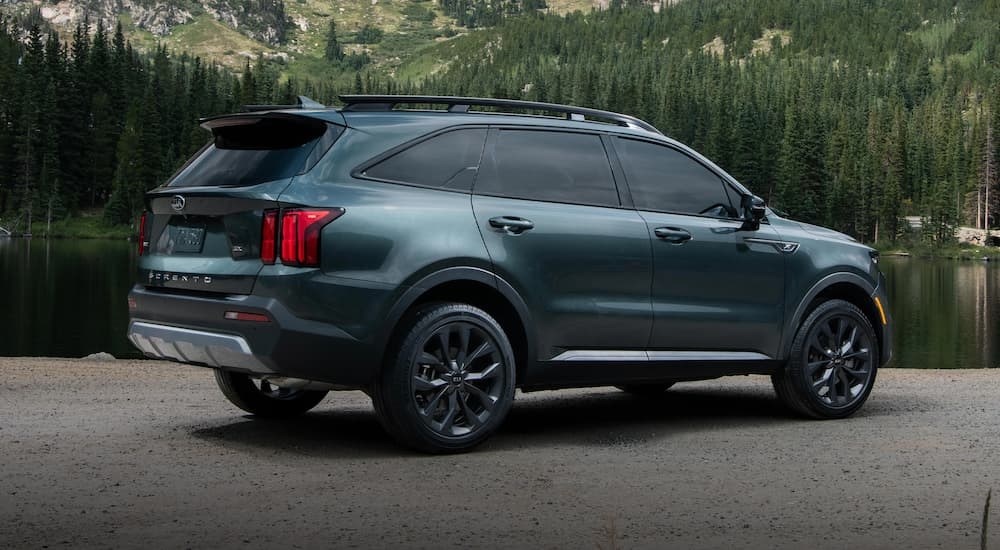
(177, 203)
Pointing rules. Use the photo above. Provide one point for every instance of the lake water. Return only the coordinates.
(66, 298)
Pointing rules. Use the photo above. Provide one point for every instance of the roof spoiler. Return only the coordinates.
(303, 102)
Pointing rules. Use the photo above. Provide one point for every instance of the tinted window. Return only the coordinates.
(449, 160)
(248, 151)
(664, 179)
(550, 166)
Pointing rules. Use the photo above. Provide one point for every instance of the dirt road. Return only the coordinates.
(150, 455)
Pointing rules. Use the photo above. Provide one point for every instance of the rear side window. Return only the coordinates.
(448, 161)
(666, 180)
(252, 150)
(549, 166)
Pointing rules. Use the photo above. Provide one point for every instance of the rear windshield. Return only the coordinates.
(252, 150)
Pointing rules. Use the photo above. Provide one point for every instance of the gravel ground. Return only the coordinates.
(149, 454)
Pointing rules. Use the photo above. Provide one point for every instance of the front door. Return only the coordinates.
(717, 291)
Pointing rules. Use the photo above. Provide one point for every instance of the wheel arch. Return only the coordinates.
(476, 287)
(837, 286)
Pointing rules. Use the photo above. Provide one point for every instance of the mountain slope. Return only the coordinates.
(230, 31)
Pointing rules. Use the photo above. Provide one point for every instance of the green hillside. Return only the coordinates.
(231, 31)
(848, 113)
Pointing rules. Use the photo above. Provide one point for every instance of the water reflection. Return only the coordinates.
(66, 298)
(945, 312)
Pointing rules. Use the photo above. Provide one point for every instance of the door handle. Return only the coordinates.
(512, 224)
(674, 235)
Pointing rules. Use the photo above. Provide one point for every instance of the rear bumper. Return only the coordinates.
(193, 329)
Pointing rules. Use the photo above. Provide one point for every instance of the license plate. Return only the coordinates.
(188, 239)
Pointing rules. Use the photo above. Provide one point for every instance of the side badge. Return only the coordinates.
(785, 247)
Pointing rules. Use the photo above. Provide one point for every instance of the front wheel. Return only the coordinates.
(832, 365)
(450, 382)
(261, 398)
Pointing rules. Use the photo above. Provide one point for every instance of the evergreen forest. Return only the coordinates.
(849, 113)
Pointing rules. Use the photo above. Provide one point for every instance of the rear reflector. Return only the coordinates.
(244, 316)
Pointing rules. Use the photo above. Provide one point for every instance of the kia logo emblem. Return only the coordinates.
(177, 203)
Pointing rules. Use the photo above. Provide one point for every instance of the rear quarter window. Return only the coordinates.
(447, 161)
(251, 150)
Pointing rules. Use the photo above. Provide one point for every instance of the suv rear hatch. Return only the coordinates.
(206, 228)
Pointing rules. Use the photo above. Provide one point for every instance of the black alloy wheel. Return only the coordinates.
(833, 362)
(452, 381)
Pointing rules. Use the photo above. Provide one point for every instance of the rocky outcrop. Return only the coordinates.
(262, 20)
(155, 17)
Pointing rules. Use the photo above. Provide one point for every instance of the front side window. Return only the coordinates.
(664, 179)
(549, 166)
(448, 161)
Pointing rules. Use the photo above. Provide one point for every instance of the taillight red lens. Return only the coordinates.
(300, 234)
(142, 234)
(269, 237)
(289, 241)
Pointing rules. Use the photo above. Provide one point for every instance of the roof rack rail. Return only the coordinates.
(302, 102)
(462, 105)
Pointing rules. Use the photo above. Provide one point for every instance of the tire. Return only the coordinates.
(832, 365)
(646, 390)
(260, 398)
(448, 383)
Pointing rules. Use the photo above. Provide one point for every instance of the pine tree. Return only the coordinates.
(28, 141)
(334, 51)
(248, 86)
(988, 173)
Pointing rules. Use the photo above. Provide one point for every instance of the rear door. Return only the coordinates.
(549, 212)
(203, 228)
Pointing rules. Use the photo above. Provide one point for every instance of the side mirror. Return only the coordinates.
(754, 210)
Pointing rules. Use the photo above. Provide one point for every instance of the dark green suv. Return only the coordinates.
(439, 252)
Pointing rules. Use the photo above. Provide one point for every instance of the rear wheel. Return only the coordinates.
(261, 398)
(646, 390)
(832, 365)
(450, 381)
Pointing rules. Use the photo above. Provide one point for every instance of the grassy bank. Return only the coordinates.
(949, 252)
(87, 225)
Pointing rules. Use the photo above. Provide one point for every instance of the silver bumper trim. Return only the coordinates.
(194, 346)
